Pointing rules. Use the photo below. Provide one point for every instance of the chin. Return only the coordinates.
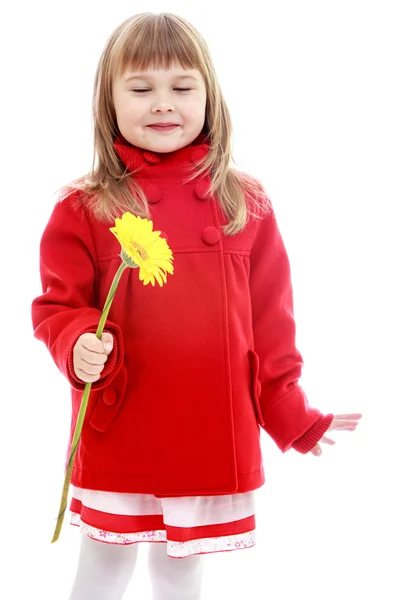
(166, 146)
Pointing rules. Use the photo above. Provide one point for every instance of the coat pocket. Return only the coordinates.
(109, 401)
(256, 384)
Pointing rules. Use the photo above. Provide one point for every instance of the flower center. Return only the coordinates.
(140, 250)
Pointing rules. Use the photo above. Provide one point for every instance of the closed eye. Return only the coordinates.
(142, 90)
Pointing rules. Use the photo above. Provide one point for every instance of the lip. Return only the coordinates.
(163, 126)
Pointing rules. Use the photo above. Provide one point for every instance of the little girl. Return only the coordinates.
(184, 375)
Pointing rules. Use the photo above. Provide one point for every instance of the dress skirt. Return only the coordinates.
(188, 525)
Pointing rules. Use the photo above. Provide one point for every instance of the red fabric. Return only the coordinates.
(184, 534)
(137, 524)
(310, 438)
(117, 523)
(199, 364)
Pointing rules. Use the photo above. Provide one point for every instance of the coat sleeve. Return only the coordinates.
(284, 409)
(67, 307)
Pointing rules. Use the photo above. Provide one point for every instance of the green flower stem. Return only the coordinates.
(82, 410)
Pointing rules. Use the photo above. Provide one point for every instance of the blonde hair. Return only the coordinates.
(158, 41)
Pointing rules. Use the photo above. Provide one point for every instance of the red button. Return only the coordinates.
(153, 193)
(150, 157)
(109, 396)
(196, 154)
(211, 235)
(201, 189)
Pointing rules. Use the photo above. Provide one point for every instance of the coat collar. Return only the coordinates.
(161, 164)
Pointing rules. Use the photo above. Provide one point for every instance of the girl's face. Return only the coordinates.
(160, 110)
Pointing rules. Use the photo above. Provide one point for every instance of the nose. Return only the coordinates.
(163, 102)
(162, 107)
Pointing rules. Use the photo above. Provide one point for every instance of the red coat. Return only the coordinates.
(199, 364)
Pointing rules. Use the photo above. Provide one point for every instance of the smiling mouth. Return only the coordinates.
(163, 128)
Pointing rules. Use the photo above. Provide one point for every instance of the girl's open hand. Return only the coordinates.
(344, 422)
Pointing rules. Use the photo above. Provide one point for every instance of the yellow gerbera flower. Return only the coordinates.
(143, 247)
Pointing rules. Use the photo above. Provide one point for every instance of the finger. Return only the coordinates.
(349, 425)
(317, 450)
(327, 440)
(352, 416)
(93, 358)
(86, 377)
(91, 342)
(89, 368)
(108, 342)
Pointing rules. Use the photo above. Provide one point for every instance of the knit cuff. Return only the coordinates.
(111, 366)
(311, 437)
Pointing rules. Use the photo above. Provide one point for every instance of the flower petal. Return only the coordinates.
(145, 247)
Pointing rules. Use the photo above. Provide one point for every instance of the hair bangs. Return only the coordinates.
(158, 43)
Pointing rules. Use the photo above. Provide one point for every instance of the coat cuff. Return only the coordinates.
(311, 437)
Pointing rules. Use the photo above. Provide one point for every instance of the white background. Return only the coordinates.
(313, 89)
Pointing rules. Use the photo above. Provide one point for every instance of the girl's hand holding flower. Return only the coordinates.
(90, 354)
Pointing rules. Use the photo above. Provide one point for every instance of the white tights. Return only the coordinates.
(105, 570)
